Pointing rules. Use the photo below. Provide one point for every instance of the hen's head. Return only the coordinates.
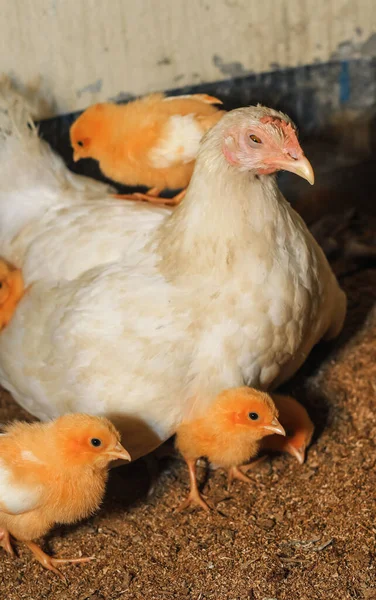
(262, 140)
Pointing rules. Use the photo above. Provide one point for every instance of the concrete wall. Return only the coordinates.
(93, 50)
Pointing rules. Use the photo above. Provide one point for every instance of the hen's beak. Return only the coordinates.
(301, 167)
(119, 453)
(275, 427)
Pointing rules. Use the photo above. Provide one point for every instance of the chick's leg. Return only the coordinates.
(194, 497)
(5, 541)
(51, 563)
(299, 427)
(153, 196)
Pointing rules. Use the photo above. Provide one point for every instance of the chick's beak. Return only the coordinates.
(301, 167)
(299, 453)
(119, 453)
(76, 156)
(275, 427)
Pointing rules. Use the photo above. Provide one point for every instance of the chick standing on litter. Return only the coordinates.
(228, 434)
(152, 141)
(53, 473)
(11, 291)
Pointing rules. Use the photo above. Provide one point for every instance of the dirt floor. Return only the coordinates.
(297, 533)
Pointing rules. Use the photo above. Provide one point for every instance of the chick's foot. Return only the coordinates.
(239, 473)
(153, 197)
(235, 473)
(51, 563)
(5, 541)
(194, 497)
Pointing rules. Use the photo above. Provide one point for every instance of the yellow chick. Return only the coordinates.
(152, 141)
(11, 291)
(228, 434)
(51, 473)
(298, 425)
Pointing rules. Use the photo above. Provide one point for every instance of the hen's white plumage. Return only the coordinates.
(144, 316)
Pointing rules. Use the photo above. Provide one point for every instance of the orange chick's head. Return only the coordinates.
(263, 140)
(247, 410)
(90, 131)
(86, 440)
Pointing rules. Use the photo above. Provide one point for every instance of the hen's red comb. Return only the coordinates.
(287, 129)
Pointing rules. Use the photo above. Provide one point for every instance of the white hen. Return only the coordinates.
(145, 316)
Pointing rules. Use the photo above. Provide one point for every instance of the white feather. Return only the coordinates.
(16, 498)
(180, 142)
(30, 457)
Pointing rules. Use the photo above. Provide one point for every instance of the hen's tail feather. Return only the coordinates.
(19, 136)
(15, 113)
(33, 178)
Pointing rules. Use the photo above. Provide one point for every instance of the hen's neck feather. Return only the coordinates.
(223, 214)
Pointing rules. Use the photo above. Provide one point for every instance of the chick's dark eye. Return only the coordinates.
(95, 442)
(253, 416)
(255, 139)
(1, 285)
(81, 144)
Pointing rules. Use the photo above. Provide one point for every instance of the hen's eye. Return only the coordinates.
(255, 139)
(95, 442)
(81, 144)
(253, 416)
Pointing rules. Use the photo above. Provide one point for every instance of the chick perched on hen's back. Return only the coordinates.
(228, 434)
(152, 141)
(51, 473)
